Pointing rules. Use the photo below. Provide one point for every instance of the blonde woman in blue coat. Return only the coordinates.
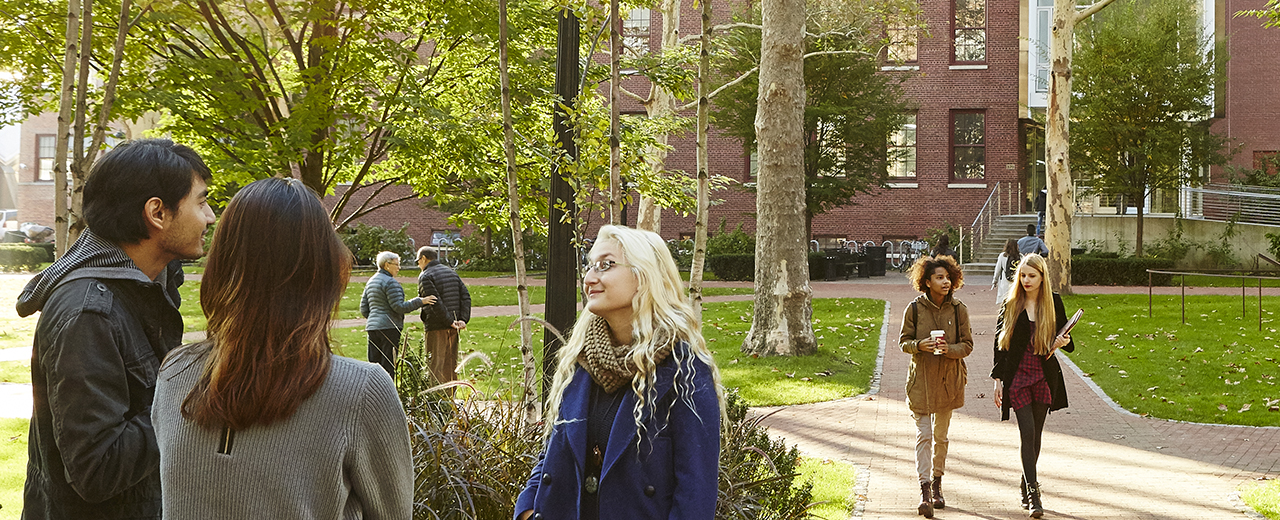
(636, 406)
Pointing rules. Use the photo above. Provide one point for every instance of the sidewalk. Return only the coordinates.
(1096, 463)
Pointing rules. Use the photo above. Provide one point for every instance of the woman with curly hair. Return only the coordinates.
(1028, 378)
(935, 331)
(634, 413)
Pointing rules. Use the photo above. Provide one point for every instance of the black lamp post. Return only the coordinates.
(562, 262)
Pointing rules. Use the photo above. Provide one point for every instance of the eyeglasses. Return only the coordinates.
(601, 266)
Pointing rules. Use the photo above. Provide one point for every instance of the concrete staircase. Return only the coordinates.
(1004, 228)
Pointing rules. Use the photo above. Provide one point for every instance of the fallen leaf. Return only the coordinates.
(1222, 407)
(1244, 408)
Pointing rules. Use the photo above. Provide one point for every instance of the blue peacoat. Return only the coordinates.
(671, 474)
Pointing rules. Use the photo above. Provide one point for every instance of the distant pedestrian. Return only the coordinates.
(1041, 202)
(943, 248)
(935, 331)
(635, 409)
(108, 315)
(1006, 269)
(261, 420)
(445, 316)
(383, 303)
(1028, 378)
(1032, 243)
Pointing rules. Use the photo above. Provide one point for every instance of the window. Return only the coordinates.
(753, 165)
(45, 151)
(970, 26)
(902, 43)
(902, 150)
(635, 32)
(968, 145)
(1040, 46)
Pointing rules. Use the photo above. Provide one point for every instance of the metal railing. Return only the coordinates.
(1216, 202)
(1005, 199)
(1215, 273)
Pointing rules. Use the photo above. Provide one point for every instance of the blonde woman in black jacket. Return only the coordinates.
(1028, 378)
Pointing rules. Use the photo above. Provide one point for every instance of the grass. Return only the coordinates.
(13, 466)
(832, 487)
(14, 331)
(1214, 281)
(1263, 497)
(842, 366)
(1218, 368)
(15, 372)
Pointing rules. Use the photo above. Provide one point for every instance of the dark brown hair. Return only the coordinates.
(924, 267)
(1011, 249)
(275, 275)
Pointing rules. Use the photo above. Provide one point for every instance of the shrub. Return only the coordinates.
(1099, 270)
(22, 257)
(1274, 238)
(681, 252)
(365, 242)
(731, 267)
(475, 253)
(472, 457)
(735, 243)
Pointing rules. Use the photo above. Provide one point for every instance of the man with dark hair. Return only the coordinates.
(1032, 243)
(447, 316)
(108, 315)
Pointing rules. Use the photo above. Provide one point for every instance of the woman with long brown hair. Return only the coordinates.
(1028, 378)
(261, 420)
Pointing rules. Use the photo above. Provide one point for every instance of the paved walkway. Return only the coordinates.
(1098, 462)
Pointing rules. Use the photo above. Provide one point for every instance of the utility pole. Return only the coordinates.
(562, 261)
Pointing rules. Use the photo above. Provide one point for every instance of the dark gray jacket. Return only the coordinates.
(104, 328)
(454, 299)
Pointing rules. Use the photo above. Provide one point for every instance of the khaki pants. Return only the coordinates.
(442, 346)
(931, 443)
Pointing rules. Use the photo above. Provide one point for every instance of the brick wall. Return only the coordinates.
(1252, 93)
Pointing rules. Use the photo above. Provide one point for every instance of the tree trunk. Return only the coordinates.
(781, 323)
(1060, 207)
(67, 96)
(530, 400)
(80, 158)
(615, 115)
(704, 175)
(661, 104)
(1140, 206)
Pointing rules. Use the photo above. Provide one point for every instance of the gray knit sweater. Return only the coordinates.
(343, 455)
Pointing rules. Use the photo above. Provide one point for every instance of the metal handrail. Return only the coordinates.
(1217, 273)
(980, 233)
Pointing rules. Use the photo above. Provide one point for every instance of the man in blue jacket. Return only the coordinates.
(108, 315)
(445, 318)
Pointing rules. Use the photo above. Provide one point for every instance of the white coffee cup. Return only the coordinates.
(933, 336)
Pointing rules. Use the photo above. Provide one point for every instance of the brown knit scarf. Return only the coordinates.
(607, 363)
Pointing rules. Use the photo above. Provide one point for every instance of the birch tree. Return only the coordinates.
(1061, 206)
(530, 398)
(781, 322)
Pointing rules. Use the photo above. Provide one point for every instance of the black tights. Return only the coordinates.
(1030, 427)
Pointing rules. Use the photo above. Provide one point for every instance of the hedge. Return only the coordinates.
(22, 257)
(743, 267)
(1096, 270)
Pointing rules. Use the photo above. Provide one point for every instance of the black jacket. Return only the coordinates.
(454, 299)
(104, 328)
(1006, 362)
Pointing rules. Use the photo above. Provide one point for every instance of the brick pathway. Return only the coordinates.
(1097, 462)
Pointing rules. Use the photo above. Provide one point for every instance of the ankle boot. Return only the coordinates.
(926, 503)
(938, 501)
(1026, 497)
(1036, 510)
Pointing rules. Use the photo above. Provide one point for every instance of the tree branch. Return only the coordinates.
(713, 93)
(633, 95)
(721, 27)
(1089, 11)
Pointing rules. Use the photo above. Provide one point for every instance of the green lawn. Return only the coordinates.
(1214, 281)
(15, 371)
(13, 466)
(1218, 368)
(1263, 497)
(832, 487)
(848, 332)
(14, 331)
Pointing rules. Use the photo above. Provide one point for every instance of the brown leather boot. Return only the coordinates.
(926, 502)
(938, 501)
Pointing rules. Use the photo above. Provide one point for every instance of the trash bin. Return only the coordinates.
(864, 270)
(876, 256)
(833, 265)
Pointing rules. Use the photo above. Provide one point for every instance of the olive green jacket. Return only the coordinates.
(935, 383)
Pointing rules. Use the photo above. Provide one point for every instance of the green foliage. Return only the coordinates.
(1264, 496)
(850, 107)
(757, 472)
(22, 257)
(1274, 248)
(474, 253)
(1144, 75)
(1098, 270)
(1270, 14)
(732, 267)
(365, 242)
(737, 242)
(13, 465)
(953, 236)
(1267, 173)
(1173, 246)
